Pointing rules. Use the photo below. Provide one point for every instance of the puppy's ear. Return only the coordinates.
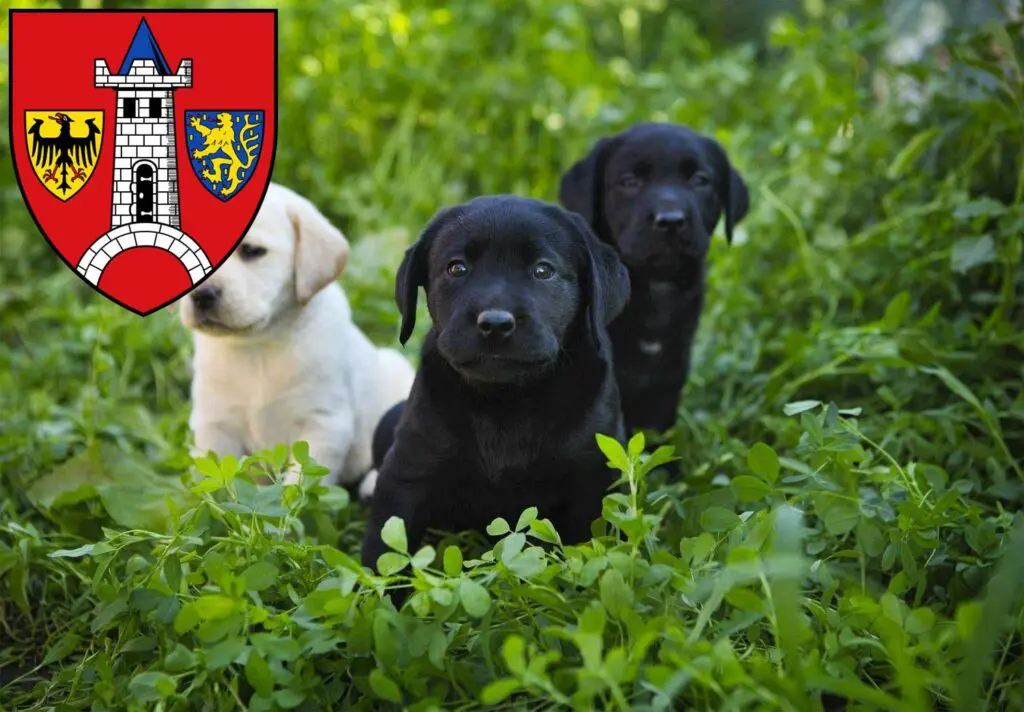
(581, 186)
(604, 283)
(321, 250)
(732, 191)
(413, 272)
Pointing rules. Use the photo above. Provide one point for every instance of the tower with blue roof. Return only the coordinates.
(145, 160)
(144, 211)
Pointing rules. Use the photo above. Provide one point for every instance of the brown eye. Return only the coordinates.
(457, 268)
(700, 179)
(251, 252)
(629, 181)
(542, 270)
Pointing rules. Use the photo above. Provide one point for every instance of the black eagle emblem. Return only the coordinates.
(73, 154)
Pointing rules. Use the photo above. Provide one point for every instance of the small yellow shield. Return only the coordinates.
(64, 147)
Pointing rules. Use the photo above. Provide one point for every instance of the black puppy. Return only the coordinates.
(515, 376)
(656, 192)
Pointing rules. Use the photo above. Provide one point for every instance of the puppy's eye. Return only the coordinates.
(629, 181)
(542, 270)
(457, 268)
(251, 252)
(700, 179)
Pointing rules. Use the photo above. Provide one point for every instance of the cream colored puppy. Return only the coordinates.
(277, 356)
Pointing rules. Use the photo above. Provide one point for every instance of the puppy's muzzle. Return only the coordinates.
(205, 298)
(495, 324)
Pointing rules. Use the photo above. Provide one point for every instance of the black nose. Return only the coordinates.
(205, 297)
(670, 220)
(496, 323)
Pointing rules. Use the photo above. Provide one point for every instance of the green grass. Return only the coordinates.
(848, 527)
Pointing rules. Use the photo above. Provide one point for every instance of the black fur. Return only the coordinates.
(492, 427)
(656, 191)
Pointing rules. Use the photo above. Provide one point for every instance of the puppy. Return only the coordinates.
(515, 376)
(656, 191)
(277, 356)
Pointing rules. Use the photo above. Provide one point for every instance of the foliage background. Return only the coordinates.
(852, 549)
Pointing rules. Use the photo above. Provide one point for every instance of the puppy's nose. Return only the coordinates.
(496, 323)
(670, 220)
(205, 297)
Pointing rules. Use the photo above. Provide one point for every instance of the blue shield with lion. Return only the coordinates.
(224, 148)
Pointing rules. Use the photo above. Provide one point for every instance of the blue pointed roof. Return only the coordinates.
(144, 46)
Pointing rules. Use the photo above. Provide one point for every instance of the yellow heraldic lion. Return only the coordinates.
(221, 139)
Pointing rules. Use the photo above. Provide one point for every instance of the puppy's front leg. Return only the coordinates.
(216, 436)
(330, 441)
(393, 499)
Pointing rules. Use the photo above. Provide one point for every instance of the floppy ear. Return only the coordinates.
(732, 191)
(413, 272)
(604, 282)
(321, 250)
(580, 188)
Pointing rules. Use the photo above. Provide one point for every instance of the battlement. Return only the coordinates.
(144, 74)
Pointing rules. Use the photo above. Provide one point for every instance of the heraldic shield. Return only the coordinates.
(144, 153)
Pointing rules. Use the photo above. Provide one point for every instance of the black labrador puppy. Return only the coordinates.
(656, 191)
(515, 375)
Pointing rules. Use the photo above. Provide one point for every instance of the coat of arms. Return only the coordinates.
(145, 161)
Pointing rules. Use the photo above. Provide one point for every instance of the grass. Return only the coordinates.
(848, 531)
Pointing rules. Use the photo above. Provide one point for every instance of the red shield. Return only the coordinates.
(143, 142)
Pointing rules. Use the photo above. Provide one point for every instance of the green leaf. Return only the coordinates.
(424, 557)
(214, 606)
(393, 535)
(452, 561)
(62, 648)
(612, 449)
(513, 650)
(224, 653)
(839, 514)
(384, 687)
(544, 530)
(616, 595)
(526, 518)
(636, 445)
(911, 152)
(259, 576)
(983, 207)
(749, 489)
(474, 597)
(498, 527)
(497, 690)
(152, 686)
(971, 252)
(389, 563)
(528, 564)
(764, 463)
(719, 519)
(797, 407)
(257, 672)
(920, 621)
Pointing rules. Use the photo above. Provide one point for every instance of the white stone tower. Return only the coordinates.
(144, 132)
(144, 210)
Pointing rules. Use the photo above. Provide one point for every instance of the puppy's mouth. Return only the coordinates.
(211, 325)
(499, 368)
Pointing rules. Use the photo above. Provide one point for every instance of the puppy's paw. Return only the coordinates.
(367, 486)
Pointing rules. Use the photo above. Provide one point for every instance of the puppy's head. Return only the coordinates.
(509, 282)
(656, 191)
(289, 254)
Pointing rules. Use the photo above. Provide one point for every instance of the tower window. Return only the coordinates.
(155, 108)
(129, 108)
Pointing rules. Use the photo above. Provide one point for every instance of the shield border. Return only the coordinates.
(192, 163)
(17, 173)
(103, 136)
